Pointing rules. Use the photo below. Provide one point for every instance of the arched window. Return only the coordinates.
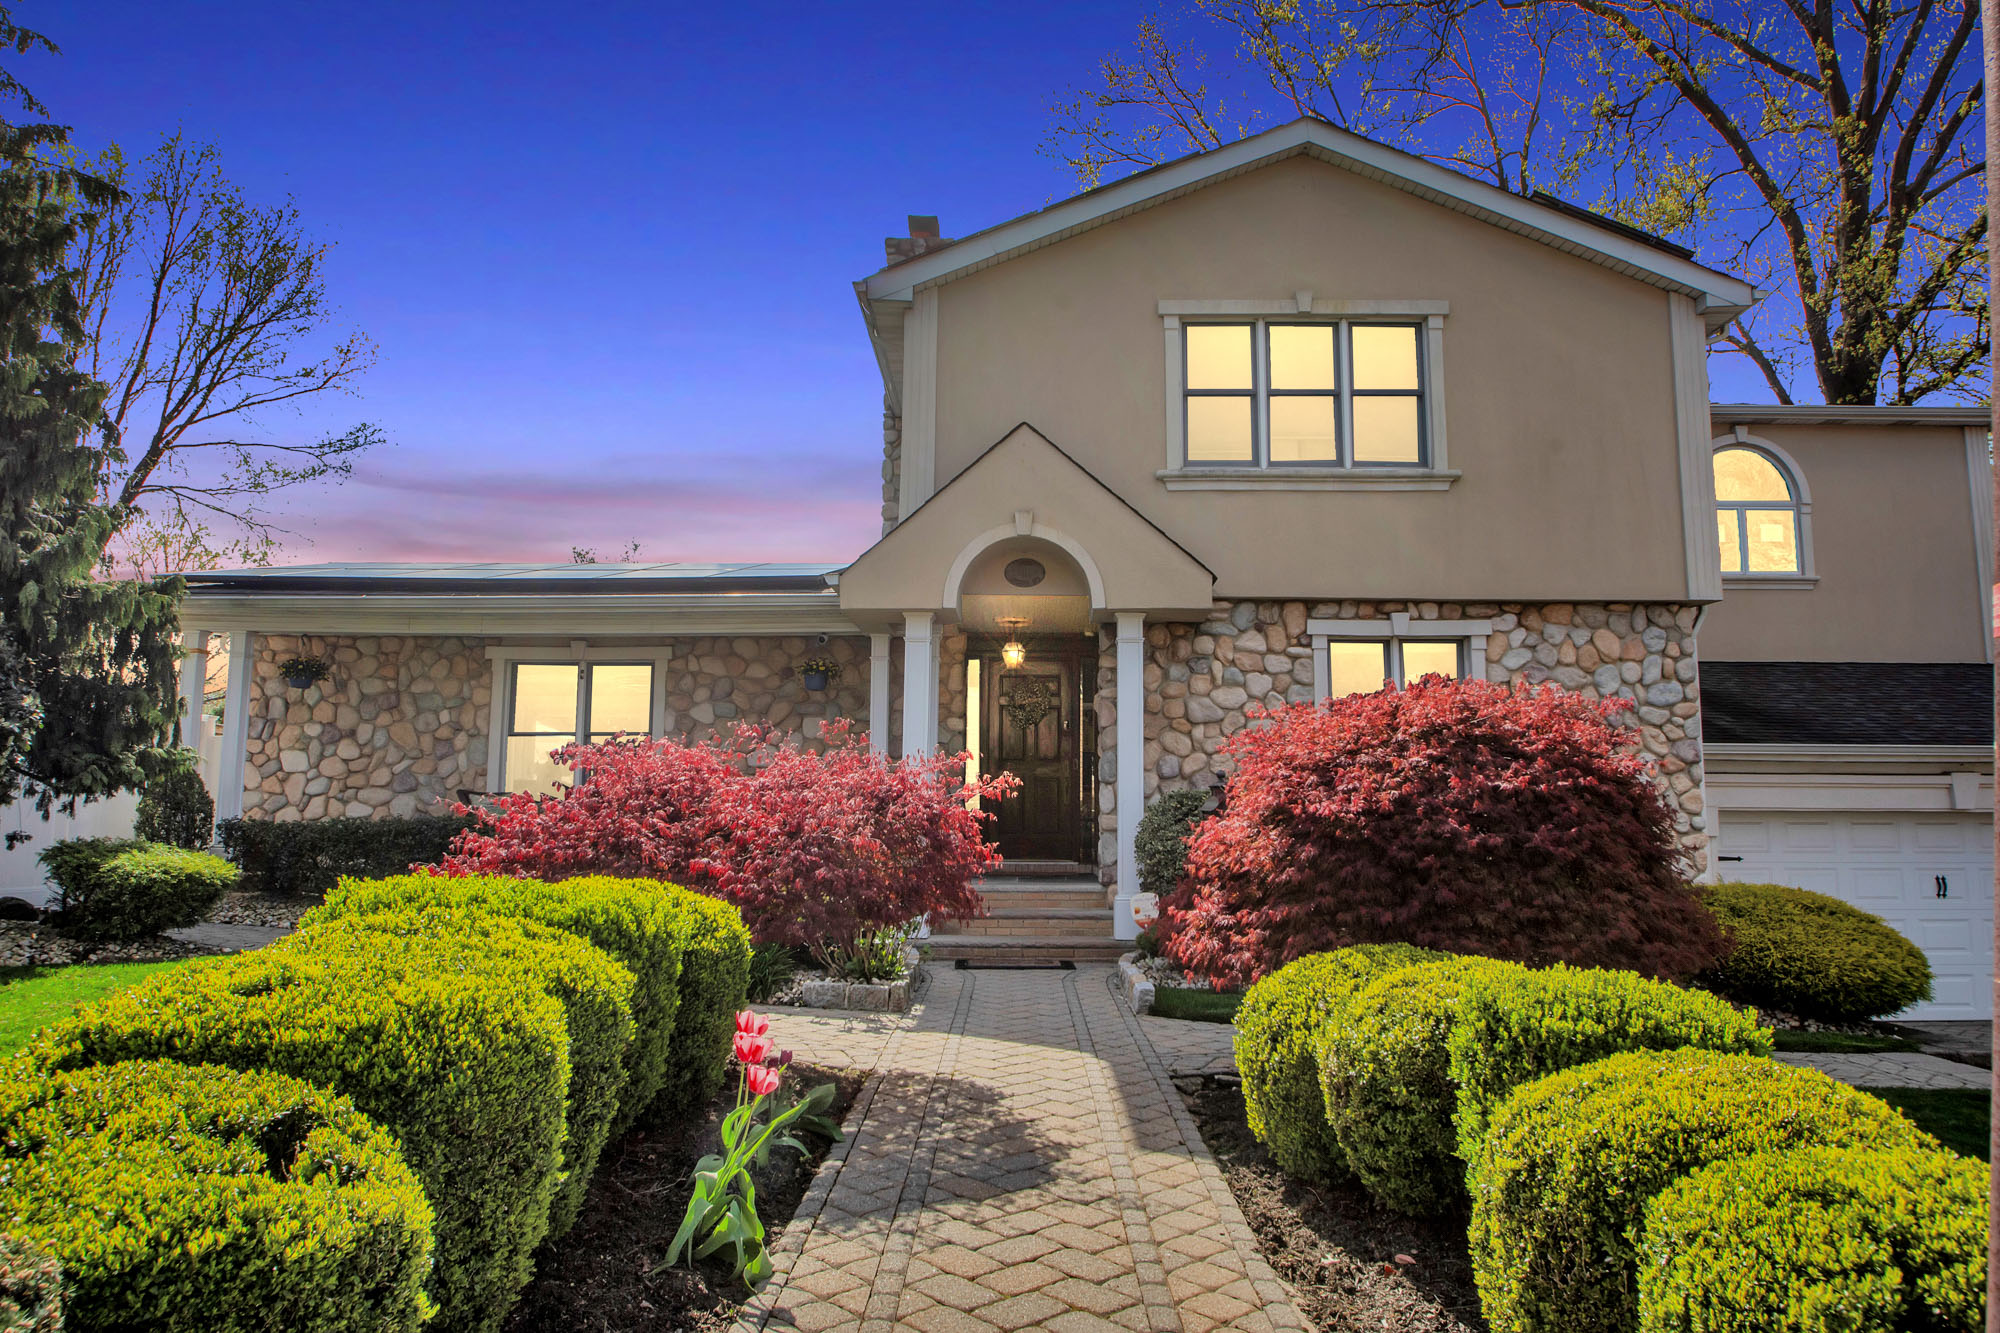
(1758, 513)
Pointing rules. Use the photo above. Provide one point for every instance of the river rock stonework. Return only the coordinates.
(1203, 679)
(400, 725)
(398, 728)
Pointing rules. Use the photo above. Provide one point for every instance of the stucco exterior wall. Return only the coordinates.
(1893, 547)
(1557, 379)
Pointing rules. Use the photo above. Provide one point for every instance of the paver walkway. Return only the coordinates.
(1019, 1159)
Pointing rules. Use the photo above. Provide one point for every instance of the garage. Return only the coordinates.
(1928, 875)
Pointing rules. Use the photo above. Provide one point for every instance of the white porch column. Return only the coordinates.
(1131, 786)
(878, 693)
(920, 683)
(194, 684)
(236, 706)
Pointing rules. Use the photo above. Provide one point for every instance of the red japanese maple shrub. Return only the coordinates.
(816, 850)
(1452, 815)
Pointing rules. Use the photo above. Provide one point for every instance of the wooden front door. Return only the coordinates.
(1030, 720)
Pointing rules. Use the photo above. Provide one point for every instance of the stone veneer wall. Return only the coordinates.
(400, 727)
(397, 729)
(1200, 679)
(892, 465)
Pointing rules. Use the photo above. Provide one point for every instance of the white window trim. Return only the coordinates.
(1179, 475)
(1805, 576)
(577, 653)
(1397, 625)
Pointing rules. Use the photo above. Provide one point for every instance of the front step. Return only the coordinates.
(1012, 950)
(1035, 921)
(1023, 869)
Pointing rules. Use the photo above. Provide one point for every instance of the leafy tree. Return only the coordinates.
(197, 306)
(86, 666)
(1830, 154)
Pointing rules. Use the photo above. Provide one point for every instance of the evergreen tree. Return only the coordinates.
(86, 665)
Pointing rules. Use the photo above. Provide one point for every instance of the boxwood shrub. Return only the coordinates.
(632, 920)
(123, 889)
(1562, 1179)
(1162, 838)
(188, 1197)
(715, 983)
(467, 1068)
(595, 991)
(1515, 1026)
(310, 856)
(1385, 1073)
(1812, 955)
(1818, 1239)
(1277, 1032)
(30, 1287)
(176, 808)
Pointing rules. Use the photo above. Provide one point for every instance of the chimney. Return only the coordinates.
(924, 237)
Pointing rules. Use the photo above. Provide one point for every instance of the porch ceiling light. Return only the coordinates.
(1012, 654)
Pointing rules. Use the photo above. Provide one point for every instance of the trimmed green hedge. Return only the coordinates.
(1277, 1031)
(124, 889)
(310, 856)
(1518, 1025)
(175, 808)
(467, 1067)
(30, 1287)
(595, 991)
(1812, 955)
(186, 1197)
(1162, 838)
(1385, 1074)
(715, 982)
(1818, 1240)
(1563, 1176)
(632, 920)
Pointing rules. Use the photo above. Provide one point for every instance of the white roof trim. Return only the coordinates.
(1713, 291)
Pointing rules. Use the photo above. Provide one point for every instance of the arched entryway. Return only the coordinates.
(1025, 604)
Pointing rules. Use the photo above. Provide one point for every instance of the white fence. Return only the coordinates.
(21, 874)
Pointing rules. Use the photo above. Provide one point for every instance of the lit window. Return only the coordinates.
(552, 704)
(1271, 394)
(1756, 513)
(1362, 666)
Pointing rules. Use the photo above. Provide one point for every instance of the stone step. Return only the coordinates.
(1043, 869)
(1034, 922)
(1010, 899)
(1003, 950)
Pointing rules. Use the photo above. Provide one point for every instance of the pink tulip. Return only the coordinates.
(764, 1082)
(750, 1049)
(750, 1023)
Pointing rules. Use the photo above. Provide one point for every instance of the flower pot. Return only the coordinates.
(299, 682)
(815, 680)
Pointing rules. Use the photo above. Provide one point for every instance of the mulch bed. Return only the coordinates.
(1344, 1257)
(609, 1274)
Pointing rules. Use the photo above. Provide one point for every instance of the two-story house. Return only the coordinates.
(1268, 424)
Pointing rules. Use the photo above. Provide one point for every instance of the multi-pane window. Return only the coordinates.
(551, 704)
(1756, 513)
(1275, 394)
(1362, 666)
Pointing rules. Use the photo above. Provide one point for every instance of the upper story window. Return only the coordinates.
(1275, 393)
(1759, 513)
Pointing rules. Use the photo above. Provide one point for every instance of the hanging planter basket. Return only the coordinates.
(304, 672)
(819, 673)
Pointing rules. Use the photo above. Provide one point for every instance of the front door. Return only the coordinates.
(1030, 719)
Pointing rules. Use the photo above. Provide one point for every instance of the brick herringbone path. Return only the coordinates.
(1017, 1160)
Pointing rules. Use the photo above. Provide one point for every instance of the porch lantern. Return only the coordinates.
(1012, 654)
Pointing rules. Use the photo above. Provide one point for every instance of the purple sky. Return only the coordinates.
(606, 251)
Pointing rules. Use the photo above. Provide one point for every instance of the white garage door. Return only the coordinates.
(1929, 876)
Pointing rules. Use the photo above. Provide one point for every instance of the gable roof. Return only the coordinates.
(1025, 485)
(1720, 296)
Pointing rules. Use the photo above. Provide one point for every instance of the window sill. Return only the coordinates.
(1774, 582)
(1306, 479)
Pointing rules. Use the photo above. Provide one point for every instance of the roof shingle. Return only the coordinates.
(1847, 703)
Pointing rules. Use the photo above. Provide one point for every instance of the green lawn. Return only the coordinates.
(1839, 1043)
(34, 997)
(1202, 1006)
(1956, 1115)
